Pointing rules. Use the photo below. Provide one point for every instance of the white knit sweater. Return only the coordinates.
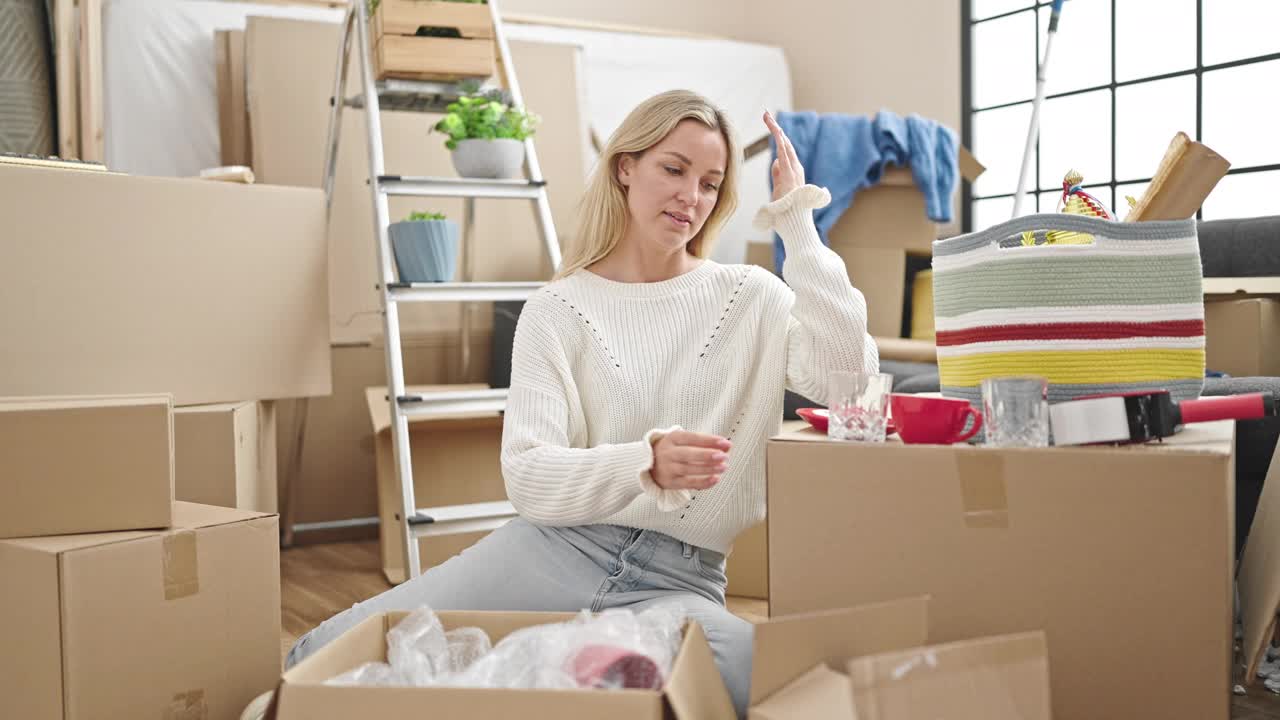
(600, 369)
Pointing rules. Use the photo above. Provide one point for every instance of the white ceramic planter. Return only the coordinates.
(502, 158)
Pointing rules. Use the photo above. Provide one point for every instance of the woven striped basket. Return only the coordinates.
(1093, 305)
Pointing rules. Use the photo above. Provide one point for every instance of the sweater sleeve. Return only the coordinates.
(547, 480)
(827, 330)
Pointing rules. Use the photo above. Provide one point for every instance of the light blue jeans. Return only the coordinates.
(526, 567)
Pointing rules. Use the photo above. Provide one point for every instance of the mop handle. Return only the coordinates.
(1034, 130)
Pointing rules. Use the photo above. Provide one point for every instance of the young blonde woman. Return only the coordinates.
(645, 380)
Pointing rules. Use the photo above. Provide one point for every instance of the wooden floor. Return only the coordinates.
(318, 581)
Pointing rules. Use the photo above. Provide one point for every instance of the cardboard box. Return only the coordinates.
(1242, 337)
(226, 455)
(1005, 541)
(82, 464)
(183, 623)
(787, 650)
(694, 690)
(455, 460)
(1260, 575)
(747, 566)
(885, 224)
(118, 284)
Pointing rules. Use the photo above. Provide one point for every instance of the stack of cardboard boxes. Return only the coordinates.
(118, 600)
(149, 329)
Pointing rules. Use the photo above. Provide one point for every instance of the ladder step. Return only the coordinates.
(462, 292)
(460, 187)
(414, 95)
(453, 402)
(454, 519)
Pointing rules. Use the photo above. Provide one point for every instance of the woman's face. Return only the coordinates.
(673, 186)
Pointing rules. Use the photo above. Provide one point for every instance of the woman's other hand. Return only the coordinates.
(788, 173)
(688, 460)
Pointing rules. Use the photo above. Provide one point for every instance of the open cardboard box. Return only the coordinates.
(1119, 554)
(693, 691)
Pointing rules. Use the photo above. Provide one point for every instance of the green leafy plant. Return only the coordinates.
(487, 115)
(418, 215)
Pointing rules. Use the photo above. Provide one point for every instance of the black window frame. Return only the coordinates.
(968, 23)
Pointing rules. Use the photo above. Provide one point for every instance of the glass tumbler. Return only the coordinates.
(858, 406)
(1016, 411)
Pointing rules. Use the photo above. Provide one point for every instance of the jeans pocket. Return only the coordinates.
(710, 565)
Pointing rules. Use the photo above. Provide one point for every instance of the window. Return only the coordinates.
(1123, 78)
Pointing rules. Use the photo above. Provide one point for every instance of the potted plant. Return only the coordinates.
(486, 134)
(425, 246)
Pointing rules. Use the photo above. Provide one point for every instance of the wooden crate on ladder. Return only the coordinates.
(432, 40)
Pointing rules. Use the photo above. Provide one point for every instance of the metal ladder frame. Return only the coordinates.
(418, 522)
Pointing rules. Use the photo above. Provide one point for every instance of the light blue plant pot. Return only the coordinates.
(425, 250)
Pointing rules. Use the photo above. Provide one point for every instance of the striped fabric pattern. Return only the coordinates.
(1123, 312)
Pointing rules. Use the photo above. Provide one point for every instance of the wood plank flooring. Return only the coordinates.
(318, 581)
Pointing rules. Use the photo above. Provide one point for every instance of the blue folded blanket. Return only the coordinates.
(846, 153)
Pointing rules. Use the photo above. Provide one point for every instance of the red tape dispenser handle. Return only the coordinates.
(1250, 406)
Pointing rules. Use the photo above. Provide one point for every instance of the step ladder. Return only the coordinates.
(421, 96)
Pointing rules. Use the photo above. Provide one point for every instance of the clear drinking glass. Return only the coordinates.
(858, 405)
(1016, 411)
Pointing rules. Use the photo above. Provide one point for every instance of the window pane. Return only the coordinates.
(996, 210)
(1148, 115)
(1134, 190)
(1075, 133)
(1244, 195)
(987, 8)
(1004, 64)
(1154, 37)
(998, 139)
(1081, 54)
(1240, 110)
(1235, 29)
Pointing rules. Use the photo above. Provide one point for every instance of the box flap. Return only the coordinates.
(997, 678)
(380, 411)
(1260, 572)
(970, 168)
(695, 689)
(819, 693)
(786, 647)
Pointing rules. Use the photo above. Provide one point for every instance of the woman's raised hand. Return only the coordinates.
(788, 173)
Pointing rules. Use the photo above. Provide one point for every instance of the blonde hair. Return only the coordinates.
(603, 217)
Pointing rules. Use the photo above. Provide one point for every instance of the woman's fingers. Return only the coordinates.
(684, 437)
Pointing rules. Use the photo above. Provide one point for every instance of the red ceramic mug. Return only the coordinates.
(933, 420)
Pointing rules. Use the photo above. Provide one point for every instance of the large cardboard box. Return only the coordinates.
(883, 226)
(1120, 555)
(117, 284)
(456, 460)
(85, 464)
(226, 455)
(1242, 337)
(183, 623)
(693, 691)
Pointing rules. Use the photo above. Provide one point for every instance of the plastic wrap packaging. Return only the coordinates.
(610, 650)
